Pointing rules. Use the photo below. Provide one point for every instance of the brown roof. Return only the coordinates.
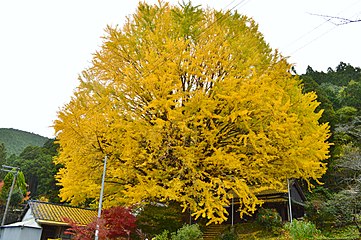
(50, 213)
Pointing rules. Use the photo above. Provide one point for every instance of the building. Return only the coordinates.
(278, 200)
(43, 221)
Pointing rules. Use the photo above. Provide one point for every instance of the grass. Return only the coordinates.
(348, 232)
(253, 231)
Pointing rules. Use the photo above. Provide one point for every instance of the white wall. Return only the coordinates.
(20, 233)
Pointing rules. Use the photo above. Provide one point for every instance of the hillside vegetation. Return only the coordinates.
(16, 141)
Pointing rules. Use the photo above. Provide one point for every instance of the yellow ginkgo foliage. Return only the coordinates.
(189, 105)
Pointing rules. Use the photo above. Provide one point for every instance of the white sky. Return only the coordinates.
(45, 44)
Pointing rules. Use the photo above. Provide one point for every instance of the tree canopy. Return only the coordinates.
(337, 201)
(189, 105)
(39, 170)
(20, 192)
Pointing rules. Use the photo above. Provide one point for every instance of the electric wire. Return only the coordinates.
(328, 20)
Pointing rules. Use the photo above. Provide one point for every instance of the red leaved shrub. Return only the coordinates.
(115, 223)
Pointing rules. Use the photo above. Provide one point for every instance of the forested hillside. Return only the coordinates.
(338, 201)
(39, 169)
(33, 155)
(15, 141)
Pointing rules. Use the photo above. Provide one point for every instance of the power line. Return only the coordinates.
(342, 20)
(229, 4)
(307, 33)
(328, 19)
(313, 40)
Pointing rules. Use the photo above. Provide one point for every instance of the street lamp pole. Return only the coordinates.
(101, 199)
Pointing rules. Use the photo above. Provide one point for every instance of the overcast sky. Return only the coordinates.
(45, 44)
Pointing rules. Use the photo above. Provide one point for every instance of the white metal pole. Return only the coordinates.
(232, 209)
(289, 200)
(101, 199)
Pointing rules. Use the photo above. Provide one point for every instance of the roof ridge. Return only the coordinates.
(60, 204)
(56, 213)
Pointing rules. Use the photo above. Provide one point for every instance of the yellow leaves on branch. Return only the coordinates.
(189, 105)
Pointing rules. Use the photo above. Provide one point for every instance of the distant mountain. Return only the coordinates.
(16, 140)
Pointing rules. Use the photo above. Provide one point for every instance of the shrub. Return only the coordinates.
(229, 235)
(116, 222)
(337, 211)
(270, 219)
(189, 232)
(162, 236)
(302, 230)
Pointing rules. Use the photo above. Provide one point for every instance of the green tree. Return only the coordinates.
(19, 193)
(2, 154)
(344, 206)
(40, 170)
(351, 95)
(337, 202)
(333, 94)
(191, 106)
(352, 129)
(346, 114)
(345, 73)
(341, 76)
(309, 85)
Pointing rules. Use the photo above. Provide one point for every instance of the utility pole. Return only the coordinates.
(101, 199)
(15, 171)
(232, 209)
(289, 200)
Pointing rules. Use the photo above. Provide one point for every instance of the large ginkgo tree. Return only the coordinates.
(189, 105)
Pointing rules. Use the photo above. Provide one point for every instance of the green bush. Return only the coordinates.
(162, 236)
(189, 232)
(302, 230)
(336, 211)
(270, 219)
(229, 235)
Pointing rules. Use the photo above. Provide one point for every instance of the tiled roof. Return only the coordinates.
(49, 213)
